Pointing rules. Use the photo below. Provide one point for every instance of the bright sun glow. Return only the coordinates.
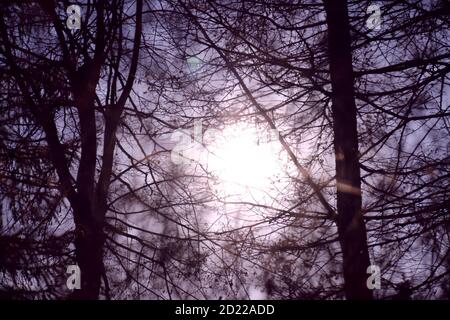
(245, 160)
(245, 167)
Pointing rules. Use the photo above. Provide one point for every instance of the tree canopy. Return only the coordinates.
(177, 149)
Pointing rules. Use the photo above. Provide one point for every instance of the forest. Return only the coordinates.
(225, 149)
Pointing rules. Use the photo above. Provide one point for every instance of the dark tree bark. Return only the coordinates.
(93, 200)
(351, 227)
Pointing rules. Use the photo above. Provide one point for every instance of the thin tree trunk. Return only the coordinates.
(351, 227)
(93, 201)
(89, 245)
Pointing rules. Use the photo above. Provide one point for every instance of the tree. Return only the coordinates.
(78, 63)
(352, 231)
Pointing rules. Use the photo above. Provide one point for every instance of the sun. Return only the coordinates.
(245, 159)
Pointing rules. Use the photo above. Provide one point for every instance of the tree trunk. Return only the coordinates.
(351, 228)
(89, 244)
